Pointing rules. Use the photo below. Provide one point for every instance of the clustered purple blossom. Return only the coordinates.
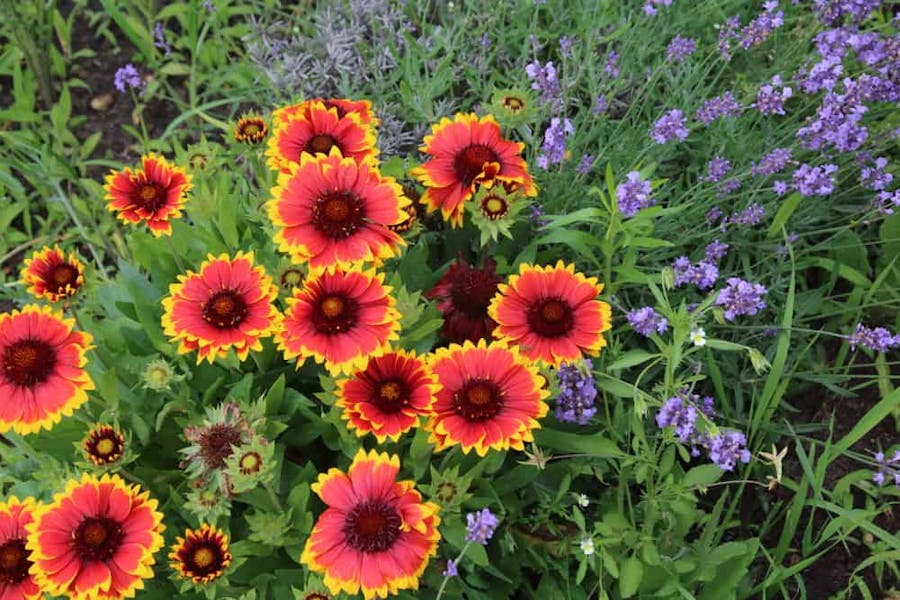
(480, 526)
(878, 339)
(875, 177)
(565, 46)
(577, 393)
(750, 216)
(717, 168)
(773, 162)
(545, 80)
(886, 202)
(611, 67)
(720, 106)
(600, 105)
(451, 569)
(680, 48)
(584, 167)
(646, 321)
(669, 127)
(127, 77)
(634, 194)
(831, 12)
(824, 75)
(650, 6)
(741, 297)
(716, 251)
(704, 274)
(725, 449)
(837, 123)
(536, 216)
(814, 181)
(888, 469)
(554, 148)
(713, 215)
(159, 38)
(752, 34)
(771, 97)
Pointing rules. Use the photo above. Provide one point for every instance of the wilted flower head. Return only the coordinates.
(212, 443)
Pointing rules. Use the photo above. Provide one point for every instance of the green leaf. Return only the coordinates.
(872, 418)
(845, 271)
(784, 213)
(701, 476)
(593, 444)
(630, 577)
(275, 396)
(630, 359)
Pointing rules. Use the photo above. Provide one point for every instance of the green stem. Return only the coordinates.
(447, 577)
(175, 254)
(64, 199)
(273, 497)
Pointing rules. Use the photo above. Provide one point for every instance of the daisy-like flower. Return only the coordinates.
(340, 318)
(490, 398)
(49, 274)
(343, 107)
(388, 396)
(376, 536)
(698, 337)
(42, 374)
(315, 130)
(153, 193)
(551, 313)
(103, 445)
(463, 295)
(467, 152)
(15, 562)
(333, 211)
(494, 210)
(228, 304)
(250, 129)
(201, 555)
(95, 540)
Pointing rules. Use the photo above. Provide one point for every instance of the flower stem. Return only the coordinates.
(273, 497)
(447, 577)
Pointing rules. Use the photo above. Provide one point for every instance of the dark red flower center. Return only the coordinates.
(28, 363)
(105, 446)
(61, 277)
(216, 442)
(513, 104)
(97, 538)
(316, 596)
(494, 207)
(225, 310)
(551, 317)
(470, 163)
(472, 290)
(335, 314)
(14, 563)
(201, 556)
(340, 110)
(372, 526)
(250, 463)
(150, 196)
(391, 396)
(339, 214)
(321, 143)
(251, 130)
(478, 400)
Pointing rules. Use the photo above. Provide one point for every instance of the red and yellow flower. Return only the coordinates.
(376, 536)
(388, 396)
(250, 129)
(16, 583)
(315, 131)
(153, 193)
(228, 304)
(201, 555)
(490, 398)
(42, 376)
(343, 107)
(468, 152)
(103, 445)
(96, 539)
(551, 313)
(333, 211)
(49, 274)
(463, 295)
(340, 319)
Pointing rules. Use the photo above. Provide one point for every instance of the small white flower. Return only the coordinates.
(698, 336)
(583, 501)
(587, 546)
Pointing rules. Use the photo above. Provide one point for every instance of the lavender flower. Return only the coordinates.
(634, 194)
(885, 202)
(741, 298)
(888, 469)
(750, 216)
(577, 393)
(780, 187)
(837, 123)
(680, 48)
(669, 127)
(127, 77)
(769, 100)
(756, 32)
(728, 34)
(704, 274)
(717, 168)
(650, 6)
(451, 569)
(584, 167)
(824, 75)
(720, 106)
(831, 12)
(680, 415)
(646, 321)
(878, 339)
(814, 181)
(480, 526)
(773, 162)
(715, 251)
(611, 67)
(536, 216)
(565, 46)
(545, 80)
(600, 105)
(554, 148)
(875, 177)
(159, 38)
(713, 215)
(728, 186)
(727, 448)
